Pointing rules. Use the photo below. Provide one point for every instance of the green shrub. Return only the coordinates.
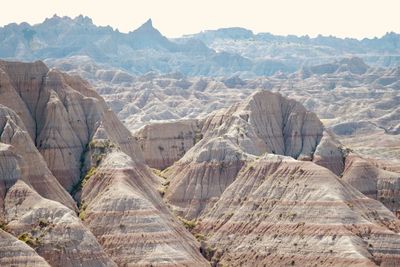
(158, 173)
(90, 173)
(101, 144)
(200, 237)
(82, 211)
(190, 225)
(29, 239)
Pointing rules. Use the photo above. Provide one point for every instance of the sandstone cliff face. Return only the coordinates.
(34, 168)
(268, 122)
(264, 123)
(58, 135)
(202, 175)
(164, 143)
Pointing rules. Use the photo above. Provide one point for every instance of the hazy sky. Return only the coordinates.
(343, 18)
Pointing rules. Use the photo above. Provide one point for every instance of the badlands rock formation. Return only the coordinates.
(283, 212)
(58, 136)
(264, 123)
(16, 253)
(27, 211)
(260, 189)
(360, 105)
(363, 115)
(164, 143)
(256, 183)
(375, 180)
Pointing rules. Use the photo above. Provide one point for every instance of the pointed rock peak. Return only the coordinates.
(147, 36)
(146, 27)
(148, 24)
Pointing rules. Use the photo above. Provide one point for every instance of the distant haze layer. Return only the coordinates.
(174, 18)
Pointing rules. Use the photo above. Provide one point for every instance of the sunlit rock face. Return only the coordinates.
(164, 143)
(284, 212)
(264, 123)
(59, 140)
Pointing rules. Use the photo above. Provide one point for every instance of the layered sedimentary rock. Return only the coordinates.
(330, 153)
(164, 143)
(264, 123)
(62, 114)
(371, 179)
(250, 206)
(16, 253)
(53, 230)
(126, 214)
(257, 183)
(282, 212)
(359, 104)
(202, 175)
(73, 141)
(34, 168)
(268, 122)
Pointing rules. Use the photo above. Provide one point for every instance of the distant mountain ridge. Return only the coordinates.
(222, 52)
(390, 39)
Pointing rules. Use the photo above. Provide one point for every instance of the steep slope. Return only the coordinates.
(282, 212)
(201, 176)
(267, 122)
(97, 160)
(264, 123)
(15, 253)
(14, 133)
(146, 36)
(56, 119)
(52, 229)
(127, 216)
(164, 143)
(373, 180)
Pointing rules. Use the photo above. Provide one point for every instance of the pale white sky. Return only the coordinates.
(342, 18)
